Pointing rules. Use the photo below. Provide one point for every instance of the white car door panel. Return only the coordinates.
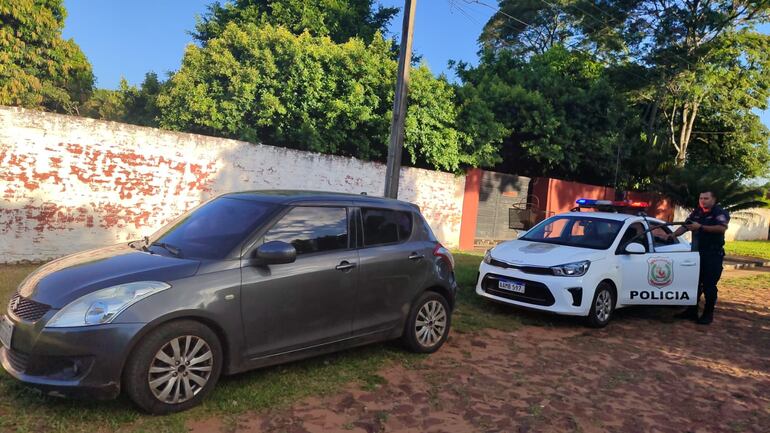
(667, 275)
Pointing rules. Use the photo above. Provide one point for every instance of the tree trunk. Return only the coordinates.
(689, 114)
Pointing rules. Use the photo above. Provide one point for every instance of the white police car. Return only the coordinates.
(590, 263)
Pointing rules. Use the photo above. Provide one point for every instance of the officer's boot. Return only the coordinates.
(708, 311)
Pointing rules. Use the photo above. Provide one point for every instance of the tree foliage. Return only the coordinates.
(691, 73)
(39, 69)
(265, 84)
(338, 19)
(684, 185)
(128, 104)
(552, 114)
(528, 27)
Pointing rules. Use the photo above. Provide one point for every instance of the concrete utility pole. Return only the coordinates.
(399, 104)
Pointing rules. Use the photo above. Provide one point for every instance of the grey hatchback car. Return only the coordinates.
(245, 280)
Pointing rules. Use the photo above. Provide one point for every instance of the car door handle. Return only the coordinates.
(688, 263)
(415, 256)
(344, 266)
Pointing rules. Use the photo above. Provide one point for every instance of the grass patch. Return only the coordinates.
(760, 249)
(473, 312)
(10, 277)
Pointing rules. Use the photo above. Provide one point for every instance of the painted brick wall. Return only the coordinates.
(70, 183)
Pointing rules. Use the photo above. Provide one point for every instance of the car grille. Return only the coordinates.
(527, 269)
(27, 309)
(534, 293)
(18, 360)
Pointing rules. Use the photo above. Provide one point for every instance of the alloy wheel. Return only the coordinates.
(431, 323)
(603, 305)
(180, 369)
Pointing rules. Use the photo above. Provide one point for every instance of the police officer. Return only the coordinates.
(708, 224)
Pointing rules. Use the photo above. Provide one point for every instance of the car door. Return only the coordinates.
(657, 277)
(393, 268)
(309, 302)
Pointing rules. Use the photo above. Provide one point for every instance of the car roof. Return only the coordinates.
(616, 216)
(306, 197)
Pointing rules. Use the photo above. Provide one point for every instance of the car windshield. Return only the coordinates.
(575, 231)
(212, 230)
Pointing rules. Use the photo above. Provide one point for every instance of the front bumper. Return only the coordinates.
(73, 362)
(561, 295)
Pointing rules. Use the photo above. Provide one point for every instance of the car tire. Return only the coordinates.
(602, 306)
(427, 326)
(173, 368)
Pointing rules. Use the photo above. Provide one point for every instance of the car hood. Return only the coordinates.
(61, 281)
(542, 254)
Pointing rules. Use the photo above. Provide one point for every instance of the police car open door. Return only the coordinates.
(666, 274)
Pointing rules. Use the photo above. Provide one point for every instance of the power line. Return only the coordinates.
(453, 4)
(499, 11)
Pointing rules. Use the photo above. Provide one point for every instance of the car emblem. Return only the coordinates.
(660, 271)
(15, 304)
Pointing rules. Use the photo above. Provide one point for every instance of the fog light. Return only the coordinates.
(577, 295)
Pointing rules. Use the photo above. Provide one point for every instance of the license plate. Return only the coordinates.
(511, 286)
(6, 332)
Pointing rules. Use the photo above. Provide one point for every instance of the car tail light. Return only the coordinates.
(441, 251)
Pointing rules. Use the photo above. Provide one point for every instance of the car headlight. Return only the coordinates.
(488, 256)
(102, 306)
(575, 269)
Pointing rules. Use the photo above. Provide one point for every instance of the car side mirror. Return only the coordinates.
(635, 248)
(274, 253)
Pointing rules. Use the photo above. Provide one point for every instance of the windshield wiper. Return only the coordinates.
(141, 244)
(170, 248)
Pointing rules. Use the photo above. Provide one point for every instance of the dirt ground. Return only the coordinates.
(646, 372)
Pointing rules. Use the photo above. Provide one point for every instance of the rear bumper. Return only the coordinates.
(70, 362)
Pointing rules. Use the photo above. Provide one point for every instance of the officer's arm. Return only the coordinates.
(719, 229)
(680, 231)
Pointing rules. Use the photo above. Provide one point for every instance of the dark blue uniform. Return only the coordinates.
(710, 246)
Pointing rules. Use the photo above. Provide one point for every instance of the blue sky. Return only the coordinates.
(129, 38)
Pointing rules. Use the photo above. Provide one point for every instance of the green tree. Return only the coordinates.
(140, 103)
(553, 114)
(699, 55)
(105, 104)
(265, 84)
(528, 27)
(128, 104)
(683, 185)
(338, 19)
(39, 69)
(692, 72)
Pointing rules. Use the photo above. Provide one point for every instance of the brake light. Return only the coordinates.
(441, 251)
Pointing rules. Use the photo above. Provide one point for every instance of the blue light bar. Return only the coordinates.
(586, 202)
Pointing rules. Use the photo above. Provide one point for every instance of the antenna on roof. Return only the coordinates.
(364, 193)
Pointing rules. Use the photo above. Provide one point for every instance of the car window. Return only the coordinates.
(632, 233)
(383, 226)
(427, 232)
(555, 228)
(660, 236)
(577, 231)
(214, 229)
(312, 229)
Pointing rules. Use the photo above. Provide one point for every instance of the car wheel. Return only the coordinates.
(173, 367)
(428, 324)
(602, 306)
